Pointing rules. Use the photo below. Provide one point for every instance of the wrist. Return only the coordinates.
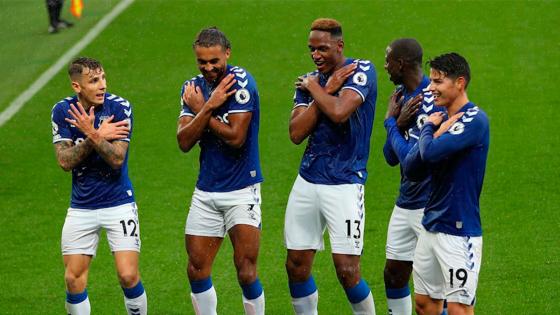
(94, 137)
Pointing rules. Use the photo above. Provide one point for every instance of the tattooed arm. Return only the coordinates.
(113, 153)
(102, 139)
(70, 155)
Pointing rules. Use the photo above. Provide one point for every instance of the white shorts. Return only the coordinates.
(214, 213)
(447, 266)
(404, 228)
(80, 234)
(313, 207)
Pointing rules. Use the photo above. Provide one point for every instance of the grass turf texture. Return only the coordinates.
(512, 49)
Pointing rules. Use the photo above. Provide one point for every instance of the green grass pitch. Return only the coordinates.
(513, 49)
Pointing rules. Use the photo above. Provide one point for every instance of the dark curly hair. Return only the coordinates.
(211, 36)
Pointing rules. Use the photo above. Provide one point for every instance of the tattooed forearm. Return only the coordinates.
(112, 153)
(70, 155)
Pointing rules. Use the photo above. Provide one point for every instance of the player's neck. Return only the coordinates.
(339, 63)
(85, 103)
(412, 80)
(457, 104)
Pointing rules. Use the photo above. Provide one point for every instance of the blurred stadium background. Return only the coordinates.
(513, 48)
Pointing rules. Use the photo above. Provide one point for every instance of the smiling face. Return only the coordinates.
(444, 88)
(212, 62)
(326, 52)
(90, 85)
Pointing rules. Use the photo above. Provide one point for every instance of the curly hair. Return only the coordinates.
(211, 36)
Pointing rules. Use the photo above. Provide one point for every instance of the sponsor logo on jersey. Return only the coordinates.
(421, 120)
(242, 96)
(457, 128)
(360, 78)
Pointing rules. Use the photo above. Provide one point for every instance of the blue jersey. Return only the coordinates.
(412, 194)
(457, 160)
(95, 184)
(338, 153)
(222, 167)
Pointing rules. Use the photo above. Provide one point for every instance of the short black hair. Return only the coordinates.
(331, 26)
(77, 65)
(452, 65)
(407, 49)
(211, 36)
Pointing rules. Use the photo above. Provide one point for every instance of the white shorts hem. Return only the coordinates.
(399, 257)
(305, 247)
(460, 300)
(204, 233)
(78, 252)
(126, 249)
(245, 222)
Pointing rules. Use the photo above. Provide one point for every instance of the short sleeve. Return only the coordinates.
(123, 112)
(245, 99)
(185, 109)
(60, 127)
(363, 81)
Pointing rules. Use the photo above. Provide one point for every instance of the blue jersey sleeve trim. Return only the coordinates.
(301, 104)
(62, 139)
(186, 114)
(355, 89)
(236, 111)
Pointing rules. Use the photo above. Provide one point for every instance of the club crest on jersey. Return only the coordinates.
(457, 128)
(242, 96)
(421, 120)
(360, 78)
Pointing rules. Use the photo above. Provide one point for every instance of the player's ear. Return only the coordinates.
(76, 86)
(460, 83)
(228, 52)
(340, 45)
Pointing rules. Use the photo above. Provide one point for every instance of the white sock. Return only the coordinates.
(365, 307)
(254, 306)
(402, 306)
(137, 306)
(306, 305)
(82, 308)
(204, 303)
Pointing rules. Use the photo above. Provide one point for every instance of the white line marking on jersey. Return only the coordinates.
(243, 84)
(365, 68)
(63, 61)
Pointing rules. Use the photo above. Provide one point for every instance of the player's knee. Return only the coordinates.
(424, 305)
(421, 306)
(348, 275)
(128, 278)
(247, 274)
(395, 276)
(297, 270)
(197, 270)
(75, 282)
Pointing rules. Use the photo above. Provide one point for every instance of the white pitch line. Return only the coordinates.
(20, 101)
